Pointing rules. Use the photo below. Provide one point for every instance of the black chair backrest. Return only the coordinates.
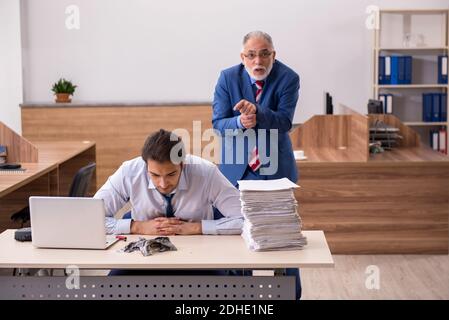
(81, 181)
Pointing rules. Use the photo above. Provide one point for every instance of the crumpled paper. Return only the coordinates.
(150, 246)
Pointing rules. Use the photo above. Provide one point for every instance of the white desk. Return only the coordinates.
(194, 252)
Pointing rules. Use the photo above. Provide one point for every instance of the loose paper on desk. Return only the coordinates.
(266, 185)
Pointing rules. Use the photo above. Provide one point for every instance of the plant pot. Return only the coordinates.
(63, 98)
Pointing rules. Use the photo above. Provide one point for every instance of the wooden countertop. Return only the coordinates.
(60, 151)
(396, 157)
(10, 181)
(51, 154)
(80, 104)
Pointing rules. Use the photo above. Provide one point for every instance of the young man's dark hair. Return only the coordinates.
(163, 146)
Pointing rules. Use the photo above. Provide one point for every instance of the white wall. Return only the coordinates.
(172, 51)
(10, 64)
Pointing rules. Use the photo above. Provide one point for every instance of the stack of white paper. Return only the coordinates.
(271, 218)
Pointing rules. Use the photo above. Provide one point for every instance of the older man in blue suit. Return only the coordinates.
(260, 94)
(257, 96)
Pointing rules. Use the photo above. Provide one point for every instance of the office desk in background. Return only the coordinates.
(396, 202)
(194, 253)
(57, 164)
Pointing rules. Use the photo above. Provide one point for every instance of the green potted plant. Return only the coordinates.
(63, 89)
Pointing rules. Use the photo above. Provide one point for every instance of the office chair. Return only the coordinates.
(81, 181)
(78, 188)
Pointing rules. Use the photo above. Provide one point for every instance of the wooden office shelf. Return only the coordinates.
(425, 124)
(415, 51)
(412, 86)
(411, 48)
(414, 11)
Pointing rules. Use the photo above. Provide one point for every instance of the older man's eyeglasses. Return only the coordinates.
(251, 55)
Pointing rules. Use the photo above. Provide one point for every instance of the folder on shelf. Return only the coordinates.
(443, 107)
(436, 107)
(434, 139)
(442, 141)
(401, 69)
(381, 70)
(384, 69)
(427, 101)
(387, 70)
(3, 154)
(389, 105)
(395, 70)
(408, 60)
(387, 102)
(442, 69)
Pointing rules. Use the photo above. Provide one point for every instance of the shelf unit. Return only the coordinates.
(412, 86)
(411, 115)
(421, 123)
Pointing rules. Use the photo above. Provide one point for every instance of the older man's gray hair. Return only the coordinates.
(258, 34)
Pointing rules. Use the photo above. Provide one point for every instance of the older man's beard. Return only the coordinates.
(262, 77)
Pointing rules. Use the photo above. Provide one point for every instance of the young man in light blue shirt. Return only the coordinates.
(170, 193)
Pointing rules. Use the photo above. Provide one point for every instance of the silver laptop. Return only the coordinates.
(64, 222)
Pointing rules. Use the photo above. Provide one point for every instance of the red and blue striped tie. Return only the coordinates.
(254, 162)
(259, 86)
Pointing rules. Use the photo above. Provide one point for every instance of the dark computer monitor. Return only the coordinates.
(375, 106)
